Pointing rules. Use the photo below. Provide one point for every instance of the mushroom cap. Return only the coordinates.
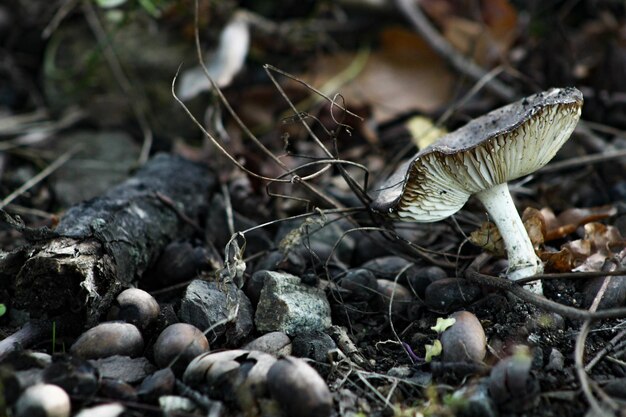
(502, 145)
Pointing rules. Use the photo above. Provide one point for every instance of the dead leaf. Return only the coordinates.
(569, 220)
(423, 131)
(488, 237)
(401, 76)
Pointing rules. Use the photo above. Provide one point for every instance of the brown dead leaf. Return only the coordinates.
(535, 226)
(401, 76)
(488, 236)
(569, 220)
(569, 257)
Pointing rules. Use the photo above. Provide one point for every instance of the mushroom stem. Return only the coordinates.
(523, 262)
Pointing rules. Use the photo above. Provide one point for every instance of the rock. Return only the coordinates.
(114, 389)
(78, 377)
(475, 401)
(388, 267)
(361, 283)
(207, 303)
(235, 376)
(420, 278)
(109, 339)
(465, 340)
(511, 384)
(313, 345)
(124, 368)
(556, 361)
(182, 341)
(103, 410)
(299, 389)
(291, 262)
(288, 306)
(614, 295)
(178, 262)
(160, 383)
(273, 343)
(449, 294)
(136, 307)
(172, 405)
(397, 294)
(43, 400)
(14, 382)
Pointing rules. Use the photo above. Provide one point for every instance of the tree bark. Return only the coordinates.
(103, 245)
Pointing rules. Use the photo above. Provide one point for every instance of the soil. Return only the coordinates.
(368, 90)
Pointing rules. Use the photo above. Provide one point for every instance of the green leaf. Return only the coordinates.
(433, 350)
(3, 310)
(443, 324)
(109, 4)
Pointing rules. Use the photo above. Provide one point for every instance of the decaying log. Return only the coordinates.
(104, 244)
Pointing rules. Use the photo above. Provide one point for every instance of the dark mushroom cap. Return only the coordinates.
(504, 144)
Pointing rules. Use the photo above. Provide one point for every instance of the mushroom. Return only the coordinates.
(478, 159)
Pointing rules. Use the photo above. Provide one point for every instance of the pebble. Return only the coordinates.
(178, 262)
(162, 382)
(205, 304)
(180, 340)
(136, 307)
(313, 345)
(421, 277)
(114, 389)
(556, 360)
(43, 400)
(402, 297)
(109, 339)
(288, 306)
(361, 284)
(104, 410)
(124, 368)
(614, 295)
(450, 294)
(465, 340)
(78, 377)
(273, 343)
(299, 389)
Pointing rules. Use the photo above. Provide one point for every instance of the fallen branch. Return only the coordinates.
(103, 245)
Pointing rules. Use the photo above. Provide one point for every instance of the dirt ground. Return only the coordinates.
(123, 166)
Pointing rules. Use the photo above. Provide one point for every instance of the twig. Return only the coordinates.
(30, 333)
(605, 351)
(537, 300)
(412, 11)
(39, 177)
(582, 161)
(580, 349)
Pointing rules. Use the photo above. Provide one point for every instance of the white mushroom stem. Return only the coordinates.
(523, 262)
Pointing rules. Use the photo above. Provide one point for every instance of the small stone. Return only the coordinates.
(174, 404)
(162, 382)
(117, 390)
(43, 400)
(420, 278)
(124, 368)
(397, 294)
(274, 343)
(207, 303)
(109, 339)
(136, 307)
(556, 362)
(465, 340)
(288, 306)
(388, 267)
(78, 377)
(449, 294)
(299, 389)
(475, 401)
(614, 295)
(104, 410)
(178, 262)
(361, 283)
(182, 341)
(313, 345)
